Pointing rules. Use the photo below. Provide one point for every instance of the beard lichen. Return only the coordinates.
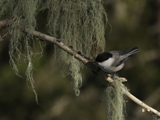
(21, 43)
(80, 24)
(76, 74)
(114, 99)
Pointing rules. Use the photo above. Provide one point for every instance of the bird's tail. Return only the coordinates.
(131, 51)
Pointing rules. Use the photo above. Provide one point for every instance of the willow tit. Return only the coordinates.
(113, 61)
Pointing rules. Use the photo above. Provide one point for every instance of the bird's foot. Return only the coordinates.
(115, 77)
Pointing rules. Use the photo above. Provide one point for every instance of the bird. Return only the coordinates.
(113, 61)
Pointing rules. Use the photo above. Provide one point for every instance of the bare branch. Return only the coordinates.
(139, 102)
(81, 58)
(60, 44)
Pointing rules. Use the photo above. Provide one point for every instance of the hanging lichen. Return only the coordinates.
(6, 7)
(114, 98)
(76, 75)
(80, 24)
(21, 43)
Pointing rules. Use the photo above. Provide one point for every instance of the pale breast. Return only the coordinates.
(115, 69)
(106, 63)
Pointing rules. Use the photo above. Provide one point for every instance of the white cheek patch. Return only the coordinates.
(106, 63)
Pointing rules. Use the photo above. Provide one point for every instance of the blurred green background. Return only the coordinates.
(132, 23)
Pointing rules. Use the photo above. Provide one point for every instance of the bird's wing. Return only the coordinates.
(117, 57)
(119, 61)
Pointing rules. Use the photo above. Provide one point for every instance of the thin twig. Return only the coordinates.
(82, 59)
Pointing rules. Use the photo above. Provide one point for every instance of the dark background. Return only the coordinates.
(132, 23)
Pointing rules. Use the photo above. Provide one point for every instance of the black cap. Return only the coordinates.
(103, 56)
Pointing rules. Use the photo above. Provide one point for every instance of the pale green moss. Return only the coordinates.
(114, 98)
(80, 24)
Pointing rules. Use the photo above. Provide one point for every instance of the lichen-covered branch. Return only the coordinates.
(60, 44)
(6, 22)
(78, 56)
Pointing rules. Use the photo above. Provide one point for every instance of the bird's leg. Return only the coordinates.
(114, 76)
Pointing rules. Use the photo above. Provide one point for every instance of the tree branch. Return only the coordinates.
(78, 56)
(6, 22)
